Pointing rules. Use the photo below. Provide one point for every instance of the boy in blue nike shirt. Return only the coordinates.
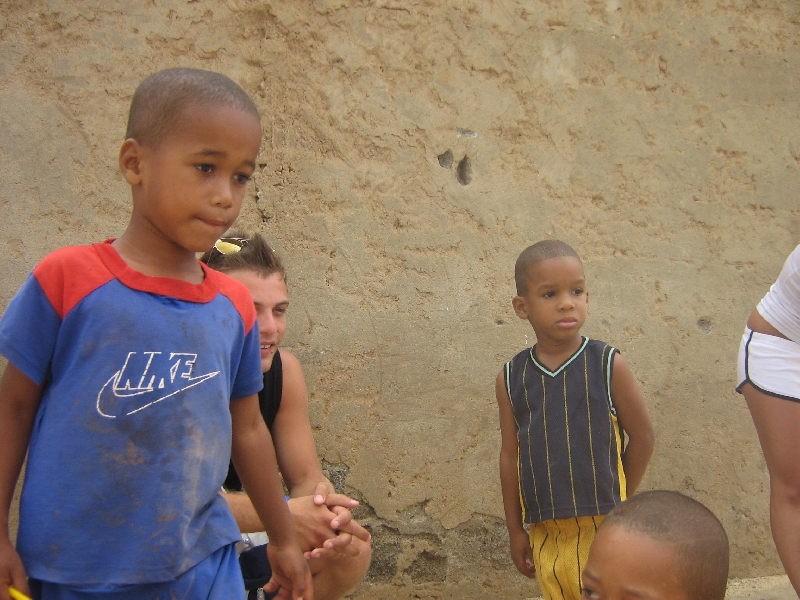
(132, 377)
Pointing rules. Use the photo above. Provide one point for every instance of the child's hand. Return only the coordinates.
(290, 575)
(11, 571)
(521, 553)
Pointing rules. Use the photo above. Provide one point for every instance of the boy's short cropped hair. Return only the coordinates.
(535, 254)
(159, 104)
(698, 538)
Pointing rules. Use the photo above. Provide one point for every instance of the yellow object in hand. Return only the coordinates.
(16, 594)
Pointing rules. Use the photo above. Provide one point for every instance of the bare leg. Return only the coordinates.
(777, 422)
(333, 578)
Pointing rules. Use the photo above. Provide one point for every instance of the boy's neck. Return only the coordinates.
(553, 353)
(157, 257)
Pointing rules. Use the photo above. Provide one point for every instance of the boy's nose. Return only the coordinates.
(224, 195)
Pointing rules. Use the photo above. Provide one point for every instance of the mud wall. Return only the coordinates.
(411, 150)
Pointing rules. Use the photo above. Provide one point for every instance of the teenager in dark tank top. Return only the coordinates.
(336, 546)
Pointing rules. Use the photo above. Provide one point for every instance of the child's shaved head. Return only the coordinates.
(698, 538)
(159, 103)
(537, 253)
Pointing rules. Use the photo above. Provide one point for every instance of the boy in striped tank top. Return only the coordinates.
(565, 405)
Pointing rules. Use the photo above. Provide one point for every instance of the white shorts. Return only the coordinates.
(770, 364)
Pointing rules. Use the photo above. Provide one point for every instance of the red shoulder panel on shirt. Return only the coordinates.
(70, 274)
(238, 294)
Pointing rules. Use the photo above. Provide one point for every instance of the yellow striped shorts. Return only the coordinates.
(560, 548)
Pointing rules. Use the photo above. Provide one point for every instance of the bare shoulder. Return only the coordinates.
(290, 362)
(508, 429)
(622, 381)
(295, 390)
(627, 397)
(620, 363)
(294, 381)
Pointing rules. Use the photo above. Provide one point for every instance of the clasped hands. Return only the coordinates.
(325, 525)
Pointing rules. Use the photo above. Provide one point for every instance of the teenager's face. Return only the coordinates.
(556, 300)
(271, 298)
(189, 189)
(627, 565)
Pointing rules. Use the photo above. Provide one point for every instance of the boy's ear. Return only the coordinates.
(518, 302)
(130, 159)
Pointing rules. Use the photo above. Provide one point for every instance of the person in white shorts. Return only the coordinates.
(769, 379)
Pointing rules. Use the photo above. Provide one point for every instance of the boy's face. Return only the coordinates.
(189, 189)
(556, 301)
(628, 565)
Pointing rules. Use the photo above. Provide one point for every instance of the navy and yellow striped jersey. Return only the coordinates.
(570, 447)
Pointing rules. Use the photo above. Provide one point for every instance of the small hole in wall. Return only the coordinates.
(705, 324)
(446, 159)
(464, 171)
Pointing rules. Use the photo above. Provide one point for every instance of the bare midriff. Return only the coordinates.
(758, 323)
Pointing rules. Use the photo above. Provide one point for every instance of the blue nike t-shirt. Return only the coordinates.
(132, 438)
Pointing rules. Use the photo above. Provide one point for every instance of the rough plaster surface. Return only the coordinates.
(411, 150)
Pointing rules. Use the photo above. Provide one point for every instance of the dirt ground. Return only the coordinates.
(763, 588)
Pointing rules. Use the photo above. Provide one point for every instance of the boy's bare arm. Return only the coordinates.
(509, 482)
(635, 421)
(19, 401)
(254, 458)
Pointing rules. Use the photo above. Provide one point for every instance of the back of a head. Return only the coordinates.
(699, 540)
(536, 253)
(254, 254)
(159, 104)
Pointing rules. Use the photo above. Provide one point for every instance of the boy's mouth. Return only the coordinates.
(214, 222)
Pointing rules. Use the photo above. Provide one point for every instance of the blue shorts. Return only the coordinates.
(217, 577)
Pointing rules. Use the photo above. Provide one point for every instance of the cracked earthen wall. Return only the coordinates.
(411, 149)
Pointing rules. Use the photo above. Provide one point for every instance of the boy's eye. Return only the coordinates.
(280, 311)
(589, 593)
(577, 292)
(204, 168)
(242, 178)
(549, 294)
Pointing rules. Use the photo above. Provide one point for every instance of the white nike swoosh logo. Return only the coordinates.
(115, 394)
